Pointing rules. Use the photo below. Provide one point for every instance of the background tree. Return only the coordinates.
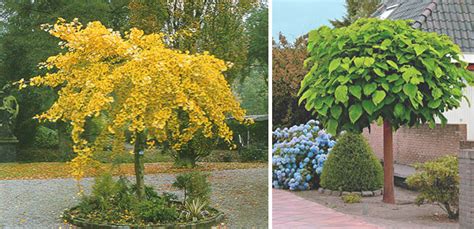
(356, 9)
(288, 71)
(214, 26)
(145, 89)
(23, 45)
(382, 70)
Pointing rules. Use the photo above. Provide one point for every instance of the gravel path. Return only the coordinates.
(241, 194)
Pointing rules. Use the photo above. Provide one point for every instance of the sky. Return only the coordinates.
(297, 17)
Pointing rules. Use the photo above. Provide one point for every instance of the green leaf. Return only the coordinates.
(355, 111)
(399, 110)
(379, 72)
(334, 64)
(369, 88)
(410, 90)
(437, 93)
(397, 89)
(429, 63)
(369, 61)
(341, 94)
(332, 126)
(438, 72)
(303, 97)
(343, 79)
(393, 77)
(410, 72)
(356, 91)
(393, 64)
(419, 49)
(336, 111)
(359, 61)
(368, 106)
(434, 103)
(386, 43)
(378, 96)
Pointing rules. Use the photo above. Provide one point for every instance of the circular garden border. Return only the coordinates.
(326, 191)
(206, 223)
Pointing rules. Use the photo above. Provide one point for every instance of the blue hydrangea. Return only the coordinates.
(299, 153)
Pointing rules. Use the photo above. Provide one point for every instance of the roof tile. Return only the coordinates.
(452, 17)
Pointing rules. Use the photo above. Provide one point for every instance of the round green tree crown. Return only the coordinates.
(385, 69)
(352, 166)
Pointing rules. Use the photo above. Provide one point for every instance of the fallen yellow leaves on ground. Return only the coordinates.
(50, 170)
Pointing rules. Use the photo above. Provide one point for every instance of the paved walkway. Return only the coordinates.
(292, 211)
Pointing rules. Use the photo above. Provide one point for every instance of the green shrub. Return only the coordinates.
(253, 153)
(351, 198)
(46, 138)
(199, 147)
(352, 166)
(438, 182)
(194, 186)
(31, 154)
(115, 201)
(156, 210)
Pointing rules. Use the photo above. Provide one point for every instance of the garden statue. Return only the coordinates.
(8, 112)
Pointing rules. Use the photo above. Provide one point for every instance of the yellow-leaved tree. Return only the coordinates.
(141, 86)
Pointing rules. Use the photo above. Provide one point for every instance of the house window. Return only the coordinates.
(388, 11)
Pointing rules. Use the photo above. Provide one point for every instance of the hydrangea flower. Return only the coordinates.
(299, 153)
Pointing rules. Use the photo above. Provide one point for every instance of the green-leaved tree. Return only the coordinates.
(382, 70)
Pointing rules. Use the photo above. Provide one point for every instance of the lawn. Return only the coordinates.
(49, 170)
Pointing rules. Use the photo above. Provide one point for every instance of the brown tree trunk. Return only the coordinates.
(138, 151)
(388, 192)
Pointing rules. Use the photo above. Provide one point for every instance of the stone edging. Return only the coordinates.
(326, 191)
(213, 221)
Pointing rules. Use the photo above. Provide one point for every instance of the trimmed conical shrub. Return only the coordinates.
(352, 166)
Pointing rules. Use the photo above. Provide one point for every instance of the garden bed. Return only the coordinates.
(215, 218)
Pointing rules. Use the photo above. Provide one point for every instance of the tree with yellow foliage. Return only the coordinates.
(142, 86)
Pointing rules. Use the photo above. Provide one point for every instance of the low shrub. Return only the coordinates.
(156, 210)
(438, 182)
(199, 147)
(351, 198)
(46, 138)
(352, 166)
(194, 186)
(299, 153)
(253, 153)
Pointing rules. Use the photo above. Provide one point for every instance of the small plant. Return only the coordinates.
(194, 185)
(438, 182)
(156, 210)
(351, 198)
(352, 166)
(195, 209)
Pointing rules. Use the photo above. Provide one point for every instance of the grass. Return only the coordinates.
(50, 170)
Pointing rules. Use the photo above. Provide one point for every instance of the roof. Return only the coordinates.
(454, 18)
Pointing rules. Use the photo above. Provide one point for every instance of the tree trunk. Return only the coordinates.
(138, 151)
(388, 192)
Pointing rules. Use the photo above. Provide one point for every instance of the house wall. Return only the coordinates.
(464, 114)
(419, 144)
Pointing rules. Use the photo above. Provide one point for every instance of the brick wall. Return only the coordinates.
(466, 189)
(419, 144)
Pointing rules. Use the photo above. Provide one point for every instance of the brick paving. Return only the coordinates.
(292, 211)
